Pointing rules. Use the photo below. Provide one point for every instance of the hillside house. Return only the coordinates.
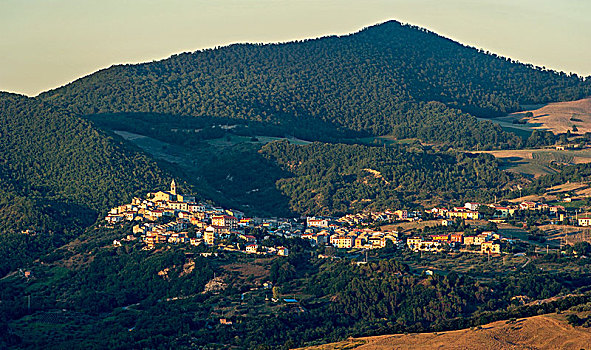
(224, 221)
(314, 222)
(468, 240)
(490, 248)
(457, 238)
(440, 237)
(342, 241)
(464, 214)
(413, 243)
(282, 251)
(209, 236)
(584, 221)
(472, 206)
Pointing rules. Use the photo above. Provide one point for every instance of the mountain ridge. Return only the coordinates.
(380, 80)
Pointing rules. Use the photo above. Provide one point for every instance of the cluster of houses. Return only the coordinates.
(322, 231)
(167, 217)
(488, 242)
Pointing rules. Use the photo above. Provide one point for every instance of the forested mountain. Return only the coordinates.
(337, 178)
(389, 78)
(57, 173)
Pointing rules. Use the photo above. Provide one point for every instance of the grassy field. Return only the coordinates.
(538, 332)
(558, 117)
(537, 162)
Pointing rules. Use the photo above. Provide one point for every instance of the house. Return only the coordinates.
(401, 214)
(196, 208)
(178, 238)
(282, 251)
(502, 212)
(440, 237)
(457, 238)
(343, 241)
(468, 240)
(464, 214)
(252, 248)
(528, 205)
(209, 235)
(377, 242)
(114, 218)
(472, 206)
(490, 248)
(585, 221)
(181, 206)
(478, 240)
(248, 238)
(360, 241)
(314, 222)
(413, 243)
(224, 221)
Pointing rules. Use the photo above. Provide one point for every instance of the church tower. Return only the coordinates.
(173, 187)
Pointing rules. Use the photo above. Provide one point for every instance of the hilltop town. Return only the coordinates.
(168, 217)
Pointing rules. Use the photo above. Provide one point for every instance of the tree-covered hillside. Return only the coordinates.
(57, 173)
(339, 178)
(60, 160)
(390, 78)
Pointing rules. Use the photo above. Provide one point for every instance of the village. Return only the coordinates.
(167, 217)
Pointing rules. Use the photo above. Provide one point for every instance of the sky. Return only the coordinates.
(45, 44)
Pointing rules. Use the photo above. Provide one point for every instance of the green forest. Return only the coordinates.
(331, 179)
(57, 174)
(124, 297)
(387, 79)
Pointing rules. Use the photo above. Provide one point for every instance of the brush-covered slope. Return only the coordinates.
(380, 80)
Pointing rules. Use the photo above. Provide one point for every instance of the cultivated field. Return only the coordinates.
(538, 332)
(537, 162)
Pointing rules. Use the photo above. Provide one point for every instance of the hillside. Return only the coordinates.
(389, 78)
(335, 178)
(558, 117)
(57, 172)
(537, 332)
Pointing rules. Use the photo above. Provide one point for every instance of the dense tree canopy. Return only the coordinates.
(339, 178)
(390, 78)
(57, 173)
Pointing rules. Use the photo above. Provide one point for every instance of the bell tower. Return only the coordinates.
(173, 187)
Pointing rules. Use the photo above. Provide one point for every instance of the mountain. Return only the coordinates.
(57, 172)
(387, 79)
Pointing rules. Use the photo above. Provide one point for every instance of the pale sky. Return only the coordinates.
(48, 43)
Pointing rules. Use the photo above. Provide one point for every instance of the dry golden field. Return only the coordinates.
(537, 332)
